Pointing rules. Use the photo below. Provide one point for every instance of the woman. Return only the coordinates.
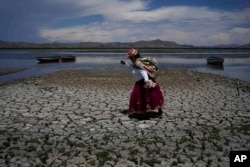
(146, 94)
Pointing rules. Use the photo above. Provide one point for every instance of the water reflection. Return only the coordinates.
(233, 66)
(215, 67)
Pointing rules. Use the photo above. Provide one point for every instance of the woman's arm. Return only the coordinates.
(127, 65)
(144, 75)
(138, 73)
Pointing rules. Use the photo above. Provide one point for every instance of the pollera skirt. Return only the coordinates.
(145, 99)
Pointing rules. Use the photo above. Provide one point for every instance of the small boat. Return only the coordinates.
(56, 59)
(53, 59)
(215, 60)
(67, 58)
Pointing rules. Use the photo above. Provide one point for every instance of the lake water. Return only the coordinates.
(236, 65)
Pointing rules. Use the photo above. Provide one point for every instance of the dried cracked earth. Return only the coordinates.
(78, 118)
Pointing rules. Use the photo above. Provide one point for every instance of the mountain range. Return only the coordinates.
(85, 45)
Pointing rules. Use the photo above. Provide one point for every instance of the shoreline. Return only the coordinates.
(6, 71)
(76, 117)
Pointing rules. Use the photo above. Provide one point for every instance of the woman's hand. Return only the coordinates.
(147, 84)
(123, 62)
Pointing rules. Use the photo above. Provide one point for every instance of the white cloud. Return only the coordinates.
(111, 10)
(234, 36)
(76, 34)
(132, 21)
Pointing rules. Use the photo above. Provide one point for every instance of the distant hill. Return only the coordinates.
(246, 45)
(139, 44)
(85, 45)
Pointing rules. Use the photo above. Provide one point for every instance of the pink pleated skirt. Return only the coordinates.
(145, 99)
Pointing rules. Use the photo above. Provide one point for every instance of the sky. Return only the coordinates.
(189, 22)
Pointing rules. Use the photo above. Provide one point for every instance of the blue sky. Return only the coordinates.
(192, 22)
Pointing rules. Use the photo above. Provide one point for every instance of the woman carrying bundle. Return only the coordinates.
(146, 94)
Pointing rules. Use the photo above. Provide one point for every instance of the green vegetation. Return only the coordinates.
(133, 152)
(103, 156)
(30, 148)
(151, 161)
(81, 145)
(245, 129)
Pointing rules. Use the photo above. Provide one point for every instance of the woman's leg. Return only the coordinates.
(159, 111)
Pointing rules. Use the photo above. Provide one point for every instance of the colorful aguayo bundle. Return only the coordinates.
(149, 64)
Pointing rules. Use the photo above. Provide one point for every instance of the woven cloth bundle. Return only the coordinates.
(149, 64)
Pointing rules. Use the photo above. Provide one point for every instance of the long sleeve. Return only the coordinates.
(144, 75)
(139, 74)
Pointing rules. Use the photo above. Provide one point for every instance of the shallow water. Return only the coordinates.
(236, 65)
